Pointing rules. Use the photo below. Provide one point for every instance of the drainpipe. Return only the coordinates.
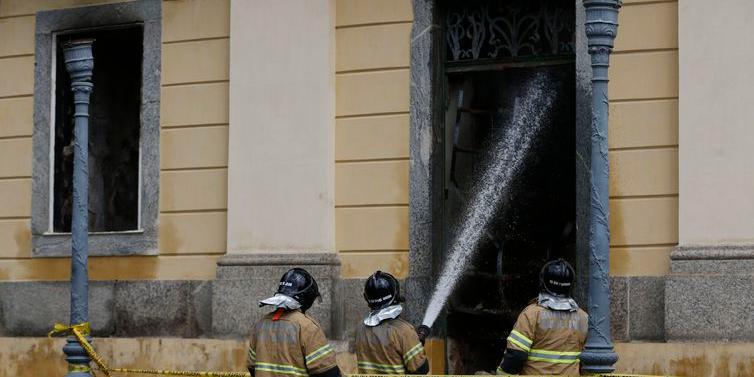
(79, 63)
(601, 27)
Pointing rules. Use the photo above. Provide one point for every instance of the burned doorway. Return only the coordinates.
(492, 49)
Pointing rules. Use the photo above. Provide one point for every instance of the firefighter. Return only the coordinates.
(550, 333)
(287, 341)
(387, 344)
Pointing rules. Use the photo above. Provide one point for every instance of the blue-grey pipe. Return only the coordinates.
(601, 27)
(79, 63)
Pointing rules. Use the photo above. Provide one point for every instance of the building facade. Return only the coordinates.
(265, 134)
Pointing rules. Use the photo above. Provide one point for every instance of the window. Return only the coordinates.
(123, 129)
(113, 132)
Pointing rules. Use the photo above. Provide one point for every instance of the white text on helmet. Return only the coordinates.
(380, 299)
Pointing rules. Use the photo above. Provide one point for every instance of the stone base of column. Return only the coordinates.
(244, 279)
(708, 295)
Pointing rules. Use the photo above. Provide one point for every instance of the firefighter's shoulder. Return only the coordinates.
(402, 328)
(531, 310)
(306, 320)
(268, 316)
(262, 322)
(583, 316)
(401, 324)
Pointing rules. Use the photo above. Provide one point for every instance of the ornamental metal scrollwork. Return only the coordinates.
(454, 32)
(554, 22)
(476, 30)
(513, 32)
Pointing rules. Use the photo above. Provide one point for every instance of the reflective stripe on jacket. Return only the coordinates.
(292, 345)
(392, 347)
(552, 339)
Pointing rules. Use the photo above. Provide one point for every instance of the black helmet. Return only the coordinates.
(298, 284)
(556, 278)
(382, 290)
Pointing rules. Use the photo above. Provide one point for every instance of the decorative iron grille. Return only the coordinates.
(508, 29)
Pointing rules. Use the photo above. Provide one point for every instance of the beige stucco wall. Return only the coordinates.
(282, 101)
(371, 135)
(686, 359)
(717, 136)
(35, 357)
(643, 139)
(194, 139)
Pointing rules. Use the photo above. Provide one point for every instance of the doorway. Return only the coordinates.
(491, 51)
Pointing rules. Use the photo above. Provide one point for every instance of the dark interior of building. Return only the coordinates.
(114, 125)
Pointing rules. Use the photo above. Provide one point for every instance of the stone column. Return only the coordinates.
(601, 27)
(79, 63)
(281, 157)
(709, 292)
(425, 175)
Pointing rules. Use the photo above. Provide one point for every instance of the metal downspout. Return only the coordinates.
(601, 28)
(79, 63)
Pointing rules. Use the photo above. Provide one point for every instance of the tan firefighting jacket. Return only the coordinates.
(287, 344)
(552, 339)
(392, 347)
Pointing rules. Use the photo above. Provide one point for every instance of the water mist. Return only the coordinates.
(504, 160)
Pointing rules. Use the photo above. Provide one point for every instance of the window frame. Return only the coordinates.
(49, 25)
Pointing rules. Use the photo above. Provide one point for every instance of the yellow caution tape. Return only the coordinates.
(521, 375)
(81, 330)
(61, 329)
(83, 368)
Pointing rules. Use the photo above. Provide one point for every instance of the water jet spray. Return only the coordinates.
(505, 159)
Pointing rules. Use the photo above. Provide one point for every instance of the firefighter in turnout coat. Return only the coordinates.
(387, 344)
(550, 333)
(287, 342)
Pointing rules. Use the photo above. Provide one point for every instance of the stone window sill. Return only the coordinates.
(136, 242)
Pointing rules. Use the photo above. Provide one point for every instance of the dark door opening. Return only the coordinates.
(493, 48)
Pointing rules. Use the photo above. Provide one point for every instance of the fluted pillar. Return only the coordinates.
(601, 27)
(79, 63)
